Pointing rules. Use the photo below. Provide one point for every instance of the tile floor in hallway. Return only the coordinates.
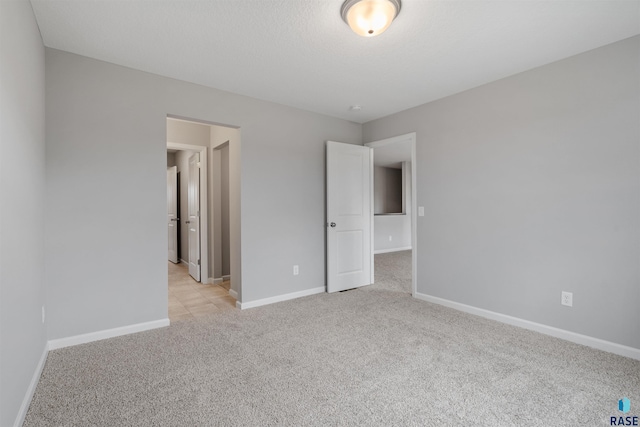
(189, 299)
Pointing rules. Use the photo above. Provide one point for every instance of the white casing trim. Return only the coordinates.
(608, 346)
(215, 280)
(233, 294)
(280, 298)
(227, 277)
(22, 413)
(107, 333)
(386, 251)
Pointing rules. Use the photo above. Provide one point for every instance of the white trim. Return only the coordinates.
(386, 251)
(215, 280)
(233, 294)
(226, 277)
(107, 333)
(22, 413)
(183, 262)
(280, 298)
(611, 347)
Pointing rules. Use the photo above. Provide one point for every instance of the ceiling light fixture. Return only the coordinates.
(369, 18)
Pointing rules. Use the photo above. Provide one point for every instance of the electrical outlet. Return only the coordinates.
(296, 270)
(390, 238)
(420, 210)
(567, 299)
(43, 314)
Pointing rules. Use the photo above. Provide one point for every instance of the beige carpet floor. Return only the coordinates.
(392, 272)
(358, 358)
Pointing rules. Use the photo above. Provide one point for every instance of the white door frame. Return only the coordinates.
(411, 138)
(204, 211)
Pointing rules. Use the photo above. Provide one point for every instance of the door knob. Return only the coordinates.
(187, 222)
(175, 219)
(333, 224)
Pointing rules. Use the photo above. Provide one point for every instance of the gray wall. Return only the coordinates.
(22, 157)
(531, 186)
(181, 132)
(106, 195)
(387, 190)
(171, 159)
(398, 227)
(224, 140)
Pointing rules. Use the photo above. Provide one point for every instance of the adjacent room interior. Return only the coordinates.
(393, 210)
(198, 218)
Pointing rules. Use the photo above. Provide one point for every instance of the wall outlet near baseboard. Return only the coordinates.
(567, 299)
(296, 270)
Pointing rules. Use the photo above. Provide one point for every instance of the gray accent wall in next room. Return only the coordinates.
(106, 191)
(387, 190)
(171, 159)
(531, 187)
(22, 191)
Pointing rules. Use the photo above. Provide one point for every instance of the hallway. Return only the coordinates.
(189, 299)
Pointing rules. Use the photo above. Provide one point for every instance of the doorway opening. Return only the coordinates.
(203, 206)
(394, 222)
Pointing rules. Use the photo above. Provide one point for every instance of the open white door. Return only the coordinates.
(193, 224)
(172, 213)
(349, 216)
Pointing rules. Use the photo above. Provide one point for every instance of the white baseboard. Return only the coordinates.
(22, 413)
(386, 251)
(226, 277)
(183, 262)
(108, 333)
(233, 294)
(611, 347)
(215, 280)
(279, 298)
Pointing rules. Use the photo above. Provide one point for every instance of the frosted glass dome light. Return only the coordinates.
(369, 18)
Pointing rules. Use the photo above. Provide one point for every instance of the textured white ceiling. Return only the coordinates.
(300, 52)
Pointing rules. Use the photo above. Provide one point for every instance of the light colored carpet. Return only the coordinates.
(372, 358)
(392, 272)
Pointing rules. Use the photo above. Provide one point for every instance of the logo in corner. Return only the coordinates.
(624, 405)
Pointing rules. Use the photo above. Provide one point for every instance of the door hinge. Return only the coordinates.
(198, 262)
